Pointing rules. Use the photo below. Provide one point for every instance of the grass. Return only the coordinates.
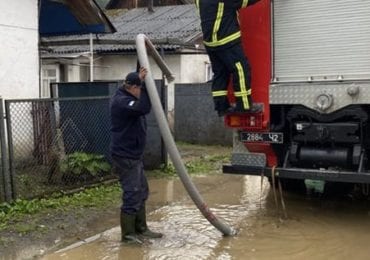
(202, 165)
(16, 211)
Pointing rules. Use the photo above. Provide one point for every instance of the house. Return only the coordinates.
(174, 30)
(21, 25)
(20, 28)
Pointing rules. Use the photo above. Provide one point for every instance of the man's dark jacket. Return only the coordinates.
(128, 123)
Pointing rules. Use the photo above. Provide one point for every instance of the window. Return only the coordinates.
(50, 74)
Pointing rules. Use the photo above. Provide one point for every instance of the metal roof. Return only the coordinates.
(171, 27)
(65, 17)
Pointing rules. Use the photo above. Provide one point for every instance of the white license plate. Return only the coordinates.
(266, 137)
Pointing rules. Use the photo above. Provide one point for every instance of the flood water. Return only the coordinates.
(315, 228)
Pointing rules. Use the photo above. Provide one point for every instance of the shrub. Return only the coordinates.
(82, 166)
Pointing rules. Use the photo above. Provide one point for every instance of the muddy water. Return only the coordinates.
(314, 229)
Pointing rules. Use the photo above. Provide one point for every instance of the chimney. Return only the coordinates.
(150, 6)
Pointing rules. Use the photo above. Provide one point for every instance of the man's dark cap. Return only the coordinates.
(133, 79)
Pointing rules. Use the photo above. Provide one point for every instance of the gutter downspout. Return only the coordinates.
(91, 58)
(142, 44)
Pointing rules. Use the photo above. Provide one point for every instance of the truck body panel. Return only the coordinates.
(310, 65)
(321, 40)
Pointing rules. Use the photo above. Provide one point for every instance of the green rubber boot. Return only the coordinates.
(141, 226)
(128, 234)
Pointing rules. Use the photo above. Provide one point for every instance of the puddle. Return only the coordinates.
(314, 229)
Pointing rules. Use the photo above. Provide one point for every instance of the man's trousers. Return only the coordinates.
(133, 182)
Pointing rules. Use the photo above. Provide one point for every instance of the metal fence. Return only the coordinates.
(195, 118)
(61, 144)
(5, 181)
(57, 144)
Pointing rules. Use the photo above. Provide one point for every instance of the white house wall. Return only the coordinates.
(193, 68)
(73, 72)
(187, 68)
(19, 65)
(116, 67)
(19, 62)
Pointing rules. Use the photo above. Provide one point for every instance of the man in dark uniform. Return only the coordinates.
(128, 108)
(222, 40)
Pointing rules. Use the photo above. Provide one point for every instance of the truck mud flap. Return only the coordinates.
(299, 173)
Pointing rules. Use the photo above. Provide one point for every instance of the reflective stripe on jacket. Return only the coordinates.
(219, 21)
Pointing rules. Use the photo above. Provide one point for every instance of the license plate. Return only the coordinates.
(269, 137)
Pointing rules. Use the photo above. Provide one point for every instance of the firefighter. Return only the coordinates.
(128, 108)
(222, 40)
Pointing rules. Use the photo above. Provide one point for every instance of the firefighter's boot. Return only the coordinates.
(254, 107)
(128, 234)
(141, 226)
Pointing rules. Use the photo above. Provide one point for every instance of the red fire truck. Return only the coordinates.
(311, 69)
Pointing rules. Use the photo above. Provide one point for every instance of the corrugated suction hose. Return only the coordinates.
(143, 45)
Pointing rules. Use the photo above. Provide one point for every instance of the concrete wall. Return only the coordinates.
(19, 58)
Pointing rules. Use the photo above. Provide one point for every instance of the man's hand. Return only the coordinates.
(142, 73)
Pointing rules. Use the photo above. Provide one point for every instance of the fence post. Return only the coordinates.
(4, 157)
(10, 150)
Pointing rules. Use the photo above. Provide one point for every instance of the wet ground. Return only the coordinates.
(315, 228)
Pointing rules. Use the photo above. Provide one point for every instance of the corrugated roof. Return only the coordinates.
(168, 26)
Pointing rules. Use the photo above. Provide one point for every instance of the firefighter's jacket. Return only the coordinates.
(219, 21)
(128, 123)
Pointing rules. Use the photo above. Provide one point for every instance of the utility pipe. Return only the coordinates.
(142, 45)
(91, 58)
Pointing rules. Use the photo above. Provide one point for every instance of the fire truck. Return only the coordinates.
(310, 65)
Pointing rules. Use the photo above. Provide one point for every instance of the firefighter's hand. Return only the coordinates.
(142, 73)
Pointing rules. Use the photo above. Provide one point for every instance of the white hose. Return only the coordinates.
(142, 45)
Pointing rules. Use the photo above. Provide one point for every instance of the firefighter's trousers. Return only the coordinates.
(226, 64)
